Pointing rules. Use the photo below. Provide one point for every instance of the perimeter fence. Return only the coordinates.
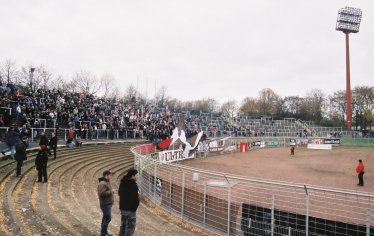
(235, 205)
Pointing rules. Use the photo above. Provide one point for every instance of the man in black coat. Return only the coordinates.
(10, 139)
(128, 202)
(44, 141)
(41, 161)
(20, 155)
(53, 144)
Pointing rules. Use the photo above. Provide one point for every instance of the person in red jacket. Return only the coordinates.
(292, 148)
(360, 170)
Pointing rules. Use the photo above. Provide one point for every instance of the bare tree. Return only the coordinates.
(115, 92)
(337, 106)
(314, 105)
(108, 85)
(9, 72)
(203, 105)
(229, 108)
(249, 106)
(130, 94)
(86, 82)
(188, 105)
(36, 77)
(58, 83)
(69, 86)
(161, 96)
(363, 105)
(174, 104)
(292, 106)
(268, 101)
(211, 104)
(45, 77)
(30, 77)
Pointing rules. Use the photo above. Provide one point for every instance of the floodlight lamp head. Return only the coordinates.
(349, 20)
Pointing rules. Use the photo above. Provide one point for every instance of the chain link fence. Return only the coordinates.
(235, 205)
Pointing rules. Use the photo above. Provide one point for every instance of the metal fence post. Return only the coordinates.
(228, 208)
(272, 214)
(307, 212)
(32, 134)
(170, 192)
(182, 200)
(368, 216)
(140, 168)
(154, 184)
(204, 206)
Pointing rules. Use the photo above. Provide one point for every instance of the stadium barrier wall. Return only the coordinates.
(234, 205)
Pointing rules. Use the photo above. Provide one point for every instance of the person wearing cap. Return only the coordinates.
(128, 202)
(41, 161)
(105, 193)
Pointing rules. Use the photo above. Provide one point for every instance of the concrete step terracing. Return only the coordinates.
(68, 204)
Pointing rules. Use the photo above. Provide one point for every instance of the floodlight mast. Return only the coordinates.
(348, 21)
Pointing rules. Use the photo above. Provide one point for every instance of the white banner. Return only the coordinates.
(172, 156)
(320, 146)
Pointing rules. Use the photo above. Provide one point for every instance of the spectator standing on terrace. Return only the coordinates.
(26, 131)
(105, 193)
(20, 155)
(71, 133)
(10, 140)
(44, 141)
(128, 202)
(78, 142)
(53, 144)
(90, 131)
(41, 161)
(360, 170)
(69, 141)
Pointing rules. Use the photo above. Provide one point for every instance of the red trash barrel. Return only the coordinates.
(243, 147)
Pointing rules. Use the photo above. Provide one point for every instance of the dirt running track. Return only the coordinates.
(329, 168)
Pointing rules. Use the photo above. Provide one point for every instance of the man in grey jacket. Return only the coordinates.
(105, 193)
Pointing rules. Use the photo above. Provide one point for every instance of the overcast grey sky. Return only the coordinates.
(196, 48)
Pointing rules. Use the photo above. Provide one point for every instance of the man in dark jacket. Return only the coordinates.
(20, 155)
(105, 193)
(44, 141)
(10, 140)
(41, 161)
(53, 144)
(128, 202)
(25, 131)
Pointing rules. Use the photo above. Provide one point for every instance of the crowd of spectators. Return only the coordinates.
(89, 116)
(86, 114)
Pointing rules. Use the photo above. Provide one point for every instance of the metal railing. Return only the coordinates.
(235, 205)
